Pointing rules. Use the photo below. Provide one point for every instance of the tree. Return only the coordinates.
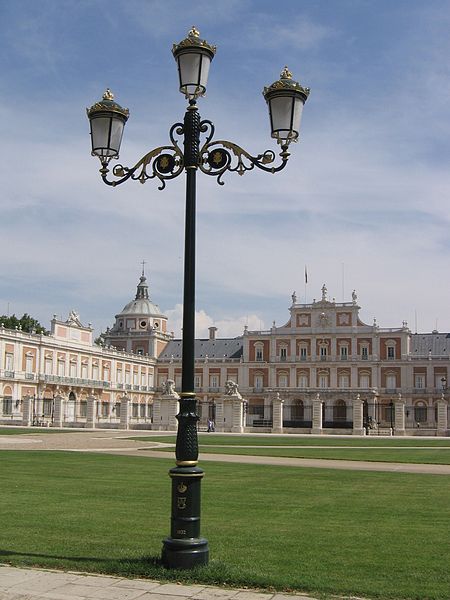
(25, 323)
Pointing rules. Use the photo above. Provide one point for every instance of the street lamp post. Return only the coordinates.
(184, 548)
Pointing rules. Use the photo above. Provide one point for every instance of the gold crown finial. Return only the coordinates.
(286, 74)
(108, 95)
(194, 32)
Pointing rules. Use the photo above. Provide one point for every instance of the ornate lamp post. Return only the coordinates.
(285, 98)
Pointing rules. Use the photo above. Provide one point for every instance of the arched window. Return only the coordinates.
(297, 410)
(340, 410)
(420, 412)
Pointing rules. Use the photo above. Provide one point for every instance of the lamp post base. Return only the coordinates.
(185, 554)
(184, 548)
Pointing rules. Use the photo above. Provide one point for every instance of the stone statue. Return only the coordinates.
(74, 319)
(232, 389)
(354, 297)
(324, 293)
(169, 388)
(294, 298)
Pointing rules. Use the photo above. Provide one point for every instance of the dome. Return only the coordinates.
(141, 305)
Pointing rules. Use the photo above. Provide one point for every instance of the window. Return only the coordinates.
(364, 381)
(364, 352)
(297, 411)
(340, 411)
(48, 365)
(323, 380)
(303, 352)
(391, 352)
(214, 381)
(198, 381)
(84, 370)
(135, 410)
(419, 382)
(83, 408)
(259, 382)
(48, 407)
(259, 352)
(73, 369)
(7, 405)
(283, 380)
(119, 376)
(344, 352)
(105, 409)
(323, 352)
(135, 378)
(420, 412)
(344, 380)
(303, 381)
(142, 410)
(391, 381)
(61, 367)
(29, 364)
(9, 361)
(283, 353)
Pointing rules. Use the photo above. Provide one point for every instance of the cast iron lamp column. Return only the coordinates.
(184, 548)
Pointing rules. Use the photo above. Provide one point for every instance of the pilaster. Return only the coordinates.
(317, 416)
(358, 412)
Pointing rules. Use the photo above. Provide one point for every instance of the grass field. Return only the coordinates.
(376, 535)
(434, 451)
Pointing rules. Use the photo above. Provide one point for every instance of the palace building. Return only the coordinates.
(323, 371)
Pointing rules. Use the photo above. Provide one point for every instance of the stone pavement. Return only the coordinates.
(40, 584)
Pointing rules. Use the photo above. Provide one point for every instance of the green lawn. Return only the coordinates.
(382, 450)
(376, 535)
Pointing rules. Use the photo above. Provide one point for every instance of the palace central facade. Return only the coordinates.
(324, 371)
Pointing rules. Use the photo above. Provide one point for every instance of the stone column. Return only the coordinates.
(277, 422)
(442, 416)
(399, 415)
(317, 415)
(91, 412)
(27, 411)
(358, 412)
(237, 416)
(157, 417)
(172, 412)
(219, 425)
(124, 412)
(58, 415)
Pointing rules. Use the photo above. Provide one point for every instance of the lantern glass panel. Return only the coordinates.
(193, 69)
(117, 126)
(286, 113)
(100, 135)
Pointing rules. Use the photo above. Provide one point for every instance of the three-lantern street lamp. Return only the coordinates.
(184, 548)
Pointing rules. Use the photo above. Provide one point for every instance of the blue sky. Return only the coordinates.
(364, 201)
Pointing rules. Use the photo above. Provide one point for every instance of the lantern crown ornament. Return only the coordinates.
(285, 99)
(107, 103)
(193, 56)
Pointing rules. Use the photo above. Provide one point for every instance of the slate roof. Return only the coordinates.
(430, 344)
(218, 348)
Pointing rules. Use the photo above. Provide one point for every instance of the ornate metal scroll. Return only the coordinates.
(164, 162)
(217, 157)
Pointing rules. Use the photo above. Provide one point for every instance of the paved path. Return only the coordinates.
(40, 584)
(119, 442)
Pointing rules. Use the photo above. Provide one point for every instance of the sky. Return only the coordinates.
(363, 204)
